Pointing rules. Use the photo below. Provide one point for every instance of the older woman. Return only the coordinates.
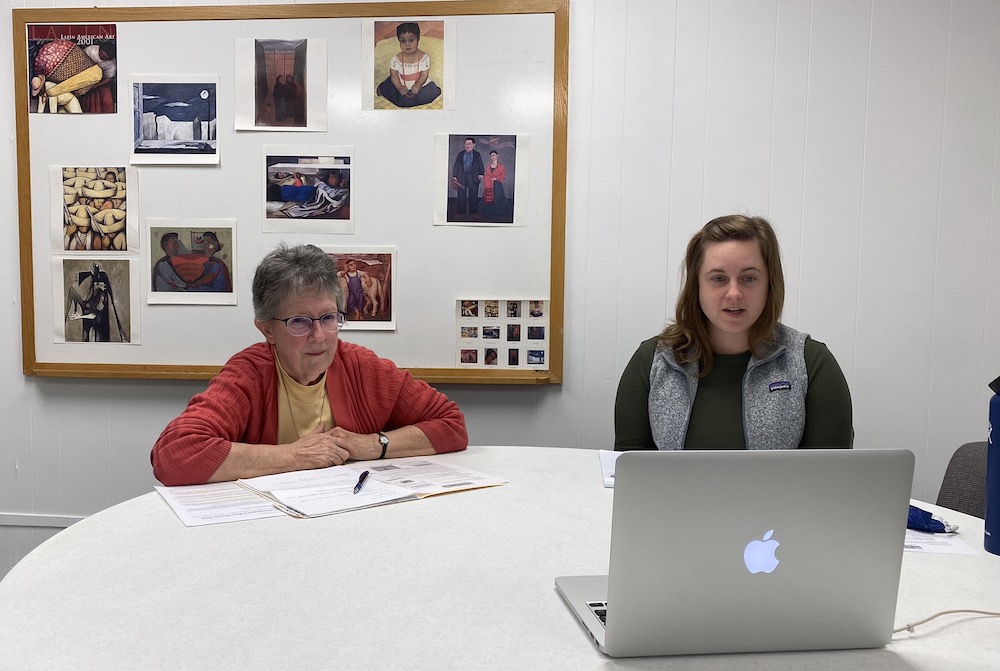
(304, 398)
(726, 374)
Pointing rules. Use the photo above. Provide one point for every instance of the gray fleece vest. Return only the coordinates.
(774, 395)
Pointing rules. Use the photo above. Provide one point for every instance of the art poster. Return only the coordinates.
(72, 68)
(409, 59)
(96, 301)
(307, 189)
(497, 333)
(90, 208)
(175, 119)
(367, 281)
(281, 84)
(192, 261)
(481, 179)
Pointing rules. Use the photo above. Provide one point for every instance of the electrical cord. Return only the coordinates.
(913, 625)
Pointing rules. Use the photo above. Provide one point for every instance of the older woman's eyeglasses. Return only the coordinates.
(300, 326)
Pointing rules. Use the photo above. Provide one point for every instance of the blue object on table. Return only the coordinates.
(991, 540)
(922, 520)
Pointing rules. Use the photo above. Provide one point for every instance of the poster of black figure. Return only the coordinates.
(97, 301)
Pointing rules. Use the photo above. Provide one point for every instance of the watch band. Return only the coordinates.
(384, 442)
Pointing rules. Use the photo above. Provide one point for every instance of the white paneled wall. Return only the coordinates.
(865, 129)
(961, 349)
(905, 116)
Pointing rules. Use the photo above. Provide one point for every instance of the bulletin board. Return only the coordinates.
(174, 209)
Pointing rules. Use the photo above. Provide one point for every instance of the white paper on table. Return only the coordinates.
(922, 541)
(608, 460)
(215, 503)
(340, 497)
(425, 476)
(317, 477)
(324, 491)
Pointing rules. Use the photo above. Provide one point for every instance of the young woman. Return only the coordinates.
(727, 374)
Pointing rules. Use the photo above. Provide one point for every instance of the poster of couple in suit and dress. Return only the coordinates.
(482, 179)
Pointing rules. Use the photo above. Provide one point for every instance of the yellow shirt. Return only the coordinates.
(301, 408)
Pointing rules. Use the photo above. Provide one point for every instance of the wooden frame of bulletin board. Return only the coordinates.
(161, 213)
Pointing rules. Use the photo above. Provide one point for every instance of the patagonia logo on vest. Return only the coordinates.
(780, 385)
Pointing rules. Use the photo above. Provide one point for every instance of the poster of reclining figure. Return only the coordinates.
(307, 189)
(367, 282)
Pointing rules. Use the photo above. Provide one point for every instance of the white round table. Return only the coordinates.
(460, 581)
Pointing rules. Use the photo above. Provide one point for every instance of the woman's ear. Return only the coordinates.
(265, 327)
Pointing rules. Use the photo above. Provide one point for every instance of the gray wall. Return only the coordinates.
(867, 132)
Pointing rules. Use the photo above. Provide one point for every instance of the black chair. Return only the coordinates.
(964, 485)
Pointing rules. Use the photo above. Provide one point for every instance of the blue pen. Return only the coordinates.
(361, 482)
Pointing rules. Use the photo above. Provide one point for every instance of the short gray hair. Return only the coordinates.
(286, 271)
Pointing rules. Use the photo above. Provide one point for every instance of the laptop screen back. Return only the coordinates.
(738, 551)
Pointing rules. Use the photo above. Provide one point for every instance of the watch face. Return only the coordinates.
(383, 439)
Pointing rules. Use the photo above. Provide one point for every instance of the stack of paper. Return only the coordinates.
(323, 491)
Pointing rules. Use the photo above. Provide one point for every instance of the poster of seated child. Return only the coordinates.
(412, 65)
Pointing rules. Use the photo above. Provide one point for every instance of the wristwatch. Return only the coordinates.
(383, 440)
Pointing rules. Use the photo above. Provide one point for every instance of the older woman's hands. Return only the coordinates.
(359, 446)
(406, 441)
(320, 449)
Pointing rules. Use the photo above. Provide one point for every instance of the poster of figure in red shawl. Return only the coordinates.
(481, 179)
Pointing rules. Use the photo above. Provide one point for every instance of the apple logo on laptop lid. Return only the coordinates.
(759, 555)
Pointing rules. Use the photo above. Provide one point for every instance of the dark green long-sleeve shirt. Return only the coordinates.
(716, 420)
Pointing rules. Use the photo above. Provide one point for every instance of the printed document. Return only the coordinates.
(425, 476)
(920, 541)
(324, 491)
(215, 503)
(321, 491)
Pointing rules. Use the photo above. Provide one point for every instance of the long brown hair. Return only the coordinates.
(688, 335)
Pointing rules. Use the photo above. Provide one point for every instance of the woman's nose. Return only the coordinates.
(316, 331)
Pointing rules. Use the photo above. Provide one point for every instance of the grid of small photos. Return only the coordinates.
(502, 333)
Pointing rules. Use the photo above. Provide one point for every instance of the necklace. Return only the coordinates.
(300, 414)
(313, 415)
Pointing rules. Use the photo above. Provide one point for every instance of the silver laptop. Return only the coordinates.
(737, 551)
